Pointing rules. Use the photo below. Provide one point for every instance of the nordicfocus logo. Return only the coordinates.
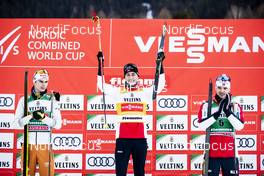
(67, 141)
(50, 42)
(7, 46)
(99, 144)
(201, 39)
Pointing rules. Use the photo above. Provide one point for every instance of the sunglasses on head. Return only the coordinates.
(223, 77)
(42, 71)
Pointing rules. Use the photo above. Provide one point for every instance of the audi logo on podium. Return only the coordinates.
(246, 142)
(7, 101)
(100, 162)
(172, 103)
(67, 141)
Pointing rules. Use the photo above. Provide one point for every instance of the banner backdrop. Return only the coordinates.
(196, 51)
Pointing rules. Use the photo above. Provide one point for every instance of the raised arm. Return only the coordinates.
(101, 85)
(159, 79)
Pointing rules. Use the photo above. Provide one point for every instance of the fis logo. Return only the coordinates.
(6, 47)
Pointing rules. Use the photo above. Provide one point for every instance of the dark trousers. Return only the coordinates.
(229, 166)
(138, 149)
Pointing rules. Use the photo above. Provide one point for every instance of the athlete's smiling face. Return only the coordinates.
(131, 78)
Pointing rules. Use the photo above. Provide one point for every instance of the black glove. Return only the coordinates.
(228, 111)
(161, 56)
(227, 105)
(216, 115)
(38, 114)
(220, 108)
(57, 96)
(227, 101)
(100, 56)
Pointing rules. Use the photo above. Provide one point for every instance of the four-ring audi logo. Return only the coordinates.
(101, 161)
(67, 141)
(246, 142)
(6, 101)
(172, 102)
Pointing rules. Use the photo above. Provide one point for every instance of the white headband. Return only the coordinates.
(220, 83)
(41, 74)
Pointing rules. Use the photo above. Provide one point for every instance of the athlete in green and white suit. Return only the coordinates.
(44, 114)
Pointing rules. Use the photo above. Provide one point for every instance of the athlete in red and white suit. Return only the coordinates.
(226, 117)
(132, 104)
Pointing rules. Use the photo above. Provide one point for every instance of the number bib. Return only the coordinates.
(222, 124)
